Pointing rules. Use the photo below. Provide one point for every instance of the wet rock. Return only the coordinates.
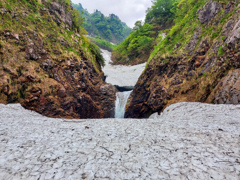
(209, 11)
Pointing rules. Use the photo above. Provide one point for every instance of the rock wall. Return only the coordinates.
(205, 69)
(47, 66)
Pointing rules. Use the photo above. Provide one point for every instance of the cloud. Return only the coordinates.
(129, 11)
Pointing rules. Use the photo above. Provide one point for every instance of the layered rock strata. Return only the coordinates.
(205, 69)
(49, 67)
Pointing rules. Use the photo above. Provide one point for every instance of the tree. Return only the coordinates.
(137, 25)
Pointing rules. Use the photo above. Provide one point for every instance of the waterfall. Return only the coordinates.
(120, 103)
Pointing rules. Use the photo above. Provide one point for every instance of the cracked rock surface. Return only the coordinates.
(187, 141)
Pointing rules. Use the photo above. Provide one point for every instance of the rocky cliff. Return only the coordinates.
(47, 64)
(198, 61)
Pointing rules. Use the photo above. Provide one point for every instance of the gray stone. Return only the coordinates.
(47, 65)
(234, 35)
(209, 11)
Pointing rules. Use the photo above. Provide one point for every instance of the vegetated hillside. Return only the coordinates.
(109, 28)
(47, 64)
(199, 60)
(137, 47)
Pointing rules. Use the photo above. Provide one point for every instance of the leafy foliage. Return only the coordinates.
(102, 43)
(138, 46)
(96, 51)
(162, 12)
(97, 25)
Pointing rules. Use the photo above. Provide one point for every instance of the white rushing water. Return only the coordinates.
(120, 103)
(122, 76)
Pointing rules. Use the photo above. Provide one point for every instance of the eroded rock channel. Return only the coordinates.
(123, 78)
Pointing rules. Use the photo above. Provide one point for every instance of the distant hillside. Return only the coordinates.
(137, 47)
(109, 28)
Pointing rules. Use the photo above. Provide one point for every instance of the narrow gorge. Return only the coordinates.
(164, 103)
(123, 78)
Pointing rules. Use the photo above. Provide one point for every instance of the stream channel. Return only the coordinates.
(124, 78)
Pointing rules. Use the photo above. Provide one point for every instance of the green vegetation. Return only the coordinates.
(178, 19)
(220, 51)
(102, 43)
(97, 53)
(185, 27)
(109, 28)
(138, 46)
(37, 19)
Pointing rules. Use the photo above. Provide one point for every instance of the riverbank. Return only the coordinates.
(188, 141)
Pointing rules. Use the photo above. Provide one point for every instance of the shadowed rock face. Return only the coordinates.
(47, 68)
(206, 71)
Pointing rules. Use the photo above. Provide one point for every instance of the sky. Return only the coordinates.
(129, 11)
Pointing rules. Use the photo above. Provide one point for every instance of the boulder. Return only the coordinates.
(209, 11)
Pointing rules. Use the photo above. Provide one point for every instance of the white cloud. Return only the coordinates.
(129, 11)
